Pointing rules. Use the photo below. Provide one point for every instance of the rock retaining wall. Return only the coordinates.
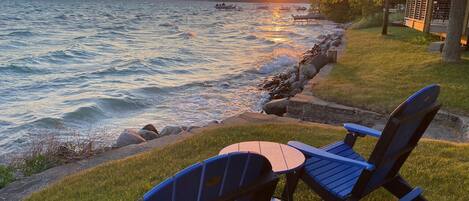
(292, 81)
(293, 89)
(445, 126)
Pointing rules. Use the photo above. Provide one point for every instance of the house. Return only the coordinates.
(432, 16)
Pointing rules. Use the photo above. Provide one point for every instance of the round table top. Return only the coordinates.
(283, 158)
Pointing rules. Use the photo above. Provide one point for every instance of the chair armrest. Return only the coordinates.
(412, 194)
(319, 153)
(363, 130)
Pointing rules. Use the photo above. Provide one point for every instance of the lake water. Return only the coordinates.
(92, 67)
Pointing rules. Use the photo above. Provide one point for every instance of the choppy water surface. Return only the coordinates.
(82, 66)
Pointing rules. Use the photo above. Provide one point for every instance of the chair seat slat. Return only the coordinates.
(326, 165)
(349, 171)
(335, 176)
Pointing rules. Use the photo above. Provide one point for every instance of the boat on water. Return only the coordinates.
(262, 8)
(301, 8)
(224, 6)
(285, 8)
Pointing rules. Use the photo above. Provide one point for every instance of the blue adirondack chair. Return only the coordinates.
(234, 176)
(337, 172)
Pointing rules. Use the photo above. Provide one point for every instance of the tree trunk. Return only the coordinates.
(452, 49)
(385, 18)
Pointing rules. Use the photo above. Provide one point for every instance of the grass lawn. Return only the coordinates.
(378, 72)
(441, 168)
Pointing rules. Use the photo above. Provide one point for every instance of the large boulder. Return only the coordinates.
(148, 135)
(336, 42)
(128, 137)
(311, 66)
(150, 127)
(277, 107)
(319, 61)
(297, 85)
(307, 71)
(173, 130)
(148, 132)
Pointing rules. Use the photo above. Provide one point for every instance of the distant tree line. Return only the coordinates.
(349, 10)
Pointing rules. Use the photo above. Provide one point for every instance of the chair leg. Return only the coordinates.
(291, 183)
(350, 139)
(399, 187)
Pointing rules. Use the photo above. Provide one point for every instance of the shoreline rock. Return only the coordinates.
(292, 80)
(173, 130)
(277, 107)
(128, 137)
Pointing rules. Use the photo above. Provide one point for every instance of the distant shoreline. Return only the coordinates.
(260, 1)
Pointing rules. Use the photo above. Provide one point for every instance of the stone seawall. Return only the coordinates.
(445, 126)
(300, 102)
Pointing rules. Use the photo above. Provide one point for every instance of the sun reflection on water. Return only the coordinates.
(275, 30)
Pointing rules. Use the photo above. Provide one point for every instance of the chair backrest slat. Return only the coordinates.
(234, 174)
(213, 179)
(187, 183)
(401, 134)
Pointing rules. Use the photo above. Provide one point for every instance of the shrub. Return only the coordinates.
(374, 20)
(6, 176)
(49, 151)
(349, 10)
(338, 11)
(37, 163)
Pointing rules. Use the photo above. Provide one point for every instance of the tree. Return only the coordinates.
(452, 49)
(385, 18)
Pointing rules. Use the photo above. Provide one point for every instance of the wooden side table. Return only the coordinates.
(283, 158)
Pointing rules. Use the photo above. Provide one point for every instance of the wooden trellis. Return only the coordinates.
(417, 13)
(431, 16)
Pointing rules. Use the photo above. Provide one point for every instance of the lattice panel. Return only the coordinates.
(416, 9)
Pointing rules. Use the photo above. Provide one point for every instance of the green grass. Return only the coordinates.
(6, 176)
(36, 164)
(441, 168)
(378, 72)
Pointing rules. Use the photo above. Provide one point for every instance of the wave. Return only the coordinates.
(20, 69)
(20, 34)
(120, 71)
(108, 15)
(5, 123)
(267, 41)
(90, 114)
(65, 56)
(120, 105)
(166, 24)
(115, 28)
(132, 67)
(250, 37)
(180, 71)
(153, 90)
(61, 17)
(276, 64)
(165, 61)
(80, 37)
(48, 123)
(102, 108)
(9, 18)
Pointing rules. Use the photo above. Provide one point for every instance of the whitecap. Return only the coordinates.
(277, 64)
